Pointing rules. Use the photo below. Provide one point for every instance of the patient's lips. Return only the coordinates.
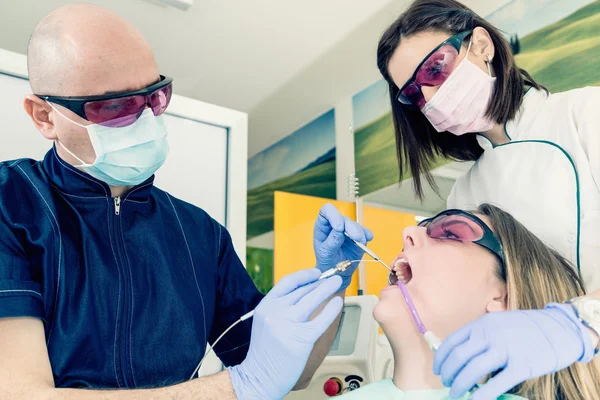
(402, 269)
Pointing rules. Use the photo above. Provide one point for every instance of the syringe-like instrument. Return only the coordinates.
(340, 267)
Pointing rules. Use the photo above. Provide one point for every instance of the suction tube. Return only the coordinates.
(432, 340)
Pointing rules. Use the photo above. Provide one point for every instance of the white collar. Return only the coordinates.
(532, 102)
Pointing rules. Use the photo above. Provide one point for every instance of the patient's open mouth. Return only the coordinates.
(402, 271)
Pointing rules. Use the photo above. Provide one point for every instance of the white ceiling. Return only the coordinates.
(233, 53)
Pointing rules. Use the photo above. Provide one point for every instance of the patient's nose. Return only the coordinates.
(414, 236)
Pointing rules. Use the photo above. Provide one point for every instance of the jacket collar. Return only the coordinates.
(74, 182)
(527, 114)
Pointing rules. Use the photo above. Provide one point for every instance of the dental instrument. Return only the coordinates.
(340, 267)
(368, 251)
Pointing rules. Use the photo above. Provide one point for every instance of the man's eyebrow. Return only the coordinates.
(131, 89)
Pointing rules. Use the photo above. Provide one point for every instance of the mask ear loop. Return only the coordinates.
(489, 57)
(64, 116)
(83, 163)
(469, 47)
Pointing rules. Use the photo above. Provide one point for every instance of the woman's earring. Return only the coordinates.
(489, 57)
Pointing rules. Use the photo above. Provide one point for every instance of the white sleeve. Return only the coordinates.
(586, 114)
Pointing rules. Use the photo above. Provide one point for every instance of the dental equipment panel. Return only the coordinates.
(359, 355)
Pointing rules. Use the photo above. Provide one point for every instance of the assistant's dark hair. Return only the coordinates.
(418, 144)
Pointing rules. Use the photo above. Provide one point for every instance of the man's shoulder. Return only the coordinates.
(20, 180)
(186, 212)
(11, 170)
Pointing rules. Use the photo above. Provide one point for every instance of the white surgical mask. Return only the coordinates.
(460, 104)
(128, 155)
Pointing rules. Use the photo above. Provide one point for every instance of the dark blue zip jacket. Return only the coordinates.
(130, 289)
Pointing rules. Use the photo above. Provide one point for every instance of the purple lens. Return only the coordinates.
(438, 67)
(433, 72)
(455, 227)
(124, 111)
(411, 94)
(160, 99)
(115, 113)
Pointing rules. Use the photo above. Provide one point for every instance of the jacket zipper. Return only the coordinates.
(126, 293)
(117, 205)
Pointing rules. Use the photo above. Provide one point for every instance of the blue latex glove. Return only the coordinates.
(282, 337)
(519, 344)
(332, 246)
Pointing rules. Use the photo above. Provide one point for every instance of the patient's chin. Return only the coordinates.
(390, 313)
(394, 316)
(396, 323)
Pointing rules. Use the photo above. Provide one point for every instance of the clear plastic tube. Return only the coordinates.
(340, 267)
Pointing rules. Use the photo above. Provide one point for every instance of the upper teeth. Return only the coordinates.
(399, 261)
(399, 270)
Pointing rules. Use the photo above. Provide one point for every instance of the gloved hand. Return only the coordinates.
(282, 337)
(519, 344)
(332, 246)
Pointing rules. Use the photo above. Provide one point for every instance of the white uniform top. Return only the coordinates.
(547, 176)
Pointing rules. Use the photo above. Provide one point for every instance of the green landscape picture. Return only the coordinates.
(566, 54)
(259, 264)
(561, 56)
(316, 181)
(301, 163)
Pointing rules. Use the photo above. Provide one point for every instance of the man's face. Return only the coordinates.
(74, 137)
(94, 52)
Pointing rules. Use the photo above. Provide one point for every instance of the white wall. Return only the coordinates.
(19, 136)
(196, 169)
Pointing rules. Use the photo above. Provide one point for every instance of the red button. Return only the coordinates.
(332, 387)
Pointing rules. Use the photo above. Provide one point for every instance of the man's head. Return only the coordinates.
(83, 50)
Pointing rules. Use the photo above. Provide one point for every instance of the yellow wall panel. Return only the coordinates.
(295, 216)
(387, 226)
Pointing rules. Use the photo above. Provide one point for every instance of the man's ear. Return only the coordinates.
(39, 111)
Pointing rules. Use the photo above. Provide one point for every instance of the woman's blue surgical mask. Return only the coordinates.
(125, 156)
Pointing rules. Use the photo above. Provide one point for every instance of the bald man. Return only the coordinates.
(107, 282)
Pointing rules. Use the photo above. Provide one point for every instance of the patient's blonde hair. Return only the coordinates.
(536, 275)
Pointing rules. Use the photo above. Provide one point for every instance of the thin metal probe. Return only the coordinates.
(368, 251)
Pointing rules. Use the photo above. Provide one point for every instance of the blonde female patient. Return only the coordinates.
(454, 282)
